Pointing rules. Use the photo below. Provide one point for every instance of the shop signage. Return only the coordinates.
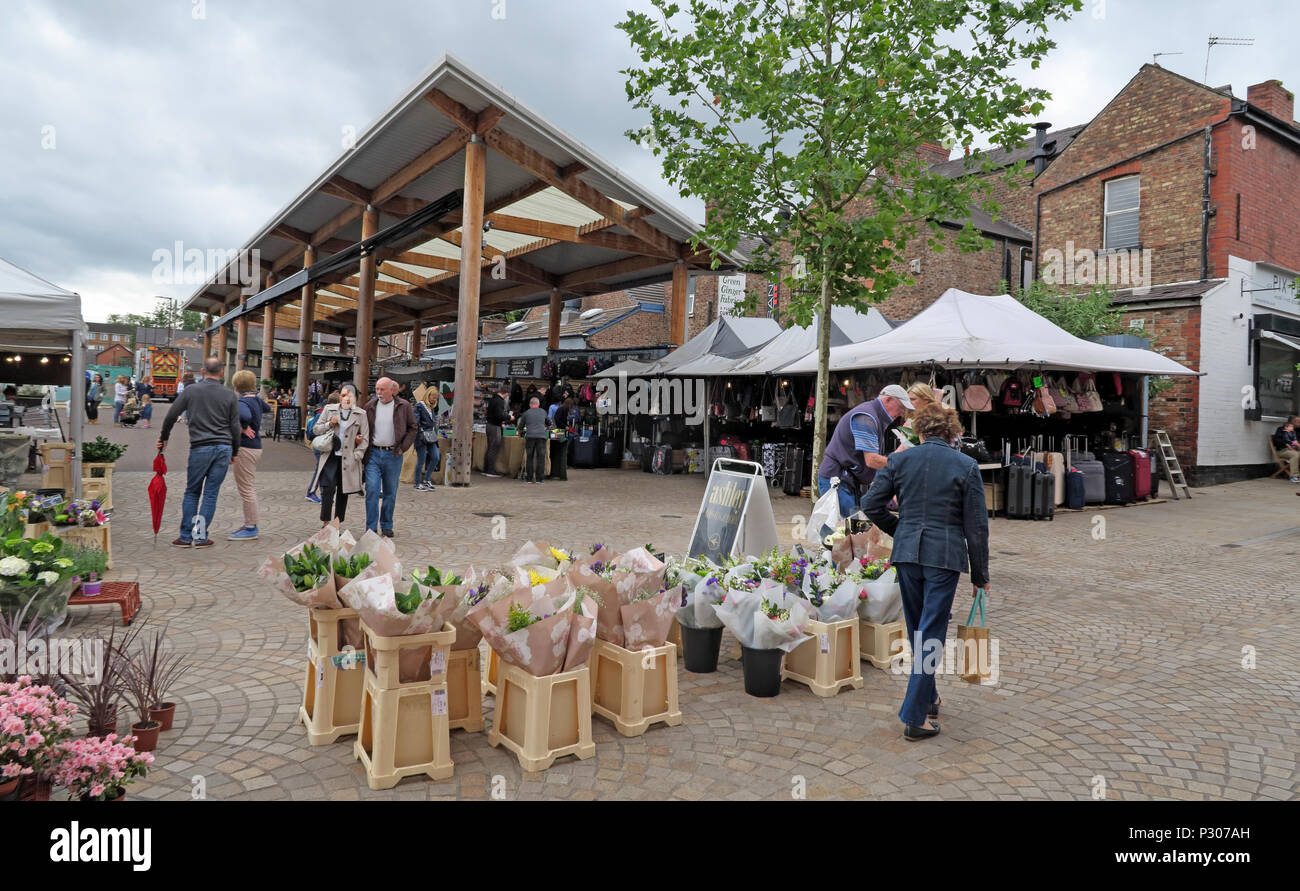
(288, 422)
(483, 368)
(521, 368)
(731, 291)
(736, 515)
(1272, 290)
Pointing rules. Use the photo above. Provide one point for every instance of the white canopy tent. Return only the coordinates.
(716, 346)
(848, 326)
(630, 367)
(961, 330)
(37, 317)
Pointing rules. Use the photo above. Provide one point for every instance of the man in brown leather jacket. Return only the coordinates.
(392, 432)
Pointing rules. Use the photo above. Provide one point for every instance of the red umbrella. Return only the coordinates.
(158, 492)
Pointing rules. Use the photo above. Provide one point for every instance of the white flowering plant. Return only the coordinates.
(35, 571)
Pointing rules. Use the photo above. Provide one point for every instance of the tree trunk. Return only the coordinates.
(823, 368)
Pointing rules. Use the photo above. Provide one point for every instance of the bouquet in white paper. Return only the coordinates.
(880, 597)
(831, 595)
(766, 617)
(703, 586)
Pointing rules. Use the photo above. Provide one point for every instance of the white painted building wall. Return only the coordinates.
(1225, 437)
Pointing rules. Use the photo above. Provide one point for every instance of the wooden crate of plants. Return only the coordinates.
(830, 661)
(542, 718)
(99, 538)
(635, 688)
(331, 699)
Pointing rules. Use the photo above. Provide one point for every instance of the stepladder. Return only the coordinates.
(1169, 462)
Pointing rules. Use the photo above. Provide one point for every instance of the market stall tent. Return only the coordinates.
(37, 317)
(725, 339)
(962, 330)
(848, 326)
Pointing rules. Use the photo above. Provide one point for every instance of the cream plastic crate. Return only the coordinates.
(830, 661)
(878, 640)
(490, 679)
(100, 487)
(99, 538)
(385, 654)
(543, 718)
(404, 732)
(56, 461)
(635, 688)
(465, 691)
(675, 636)
(331, 700)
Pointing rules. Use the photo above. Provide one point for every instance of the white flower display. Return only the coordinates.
(47, 578)
(14, 566)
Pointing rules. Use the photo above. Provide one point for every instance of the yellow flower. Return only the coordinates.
(560, 556)
(535, 579)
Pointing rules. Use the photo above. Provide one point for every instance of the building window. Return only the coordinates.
(1277, 383)
(1122, 197)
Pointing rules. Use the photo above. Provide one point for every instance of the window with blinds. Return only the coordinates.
(1122, 213)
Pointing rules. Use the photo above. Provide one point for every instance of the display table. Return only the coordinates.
(510, 458)
(409, 457)
(124, 594)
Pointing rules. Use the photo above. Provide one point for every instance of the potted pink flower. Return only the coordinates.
(34, 720)
(99, 768)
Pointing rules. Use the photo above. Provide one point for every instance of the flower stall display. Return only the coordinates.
(769, 622)
(556, 635)
(305, 573)
(34, 720)
(389, 612)
(632, 597)
(99, 769)
(27, 514)
(883, 600)
(35, 576)
(81, 512)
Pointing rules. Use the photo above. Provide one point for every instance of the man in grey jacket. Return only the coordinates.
(214, 441)
(534, 427)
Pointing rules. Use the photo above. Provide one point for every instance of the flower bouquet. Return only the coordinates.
(831, 595)
(478, 588)
(35, 576)
(81, 513)
(95, 769)
(34, 720)
(389, 612)
(305, 574)
(872, 544)
(538, 555)
(880, 599)
(543, 629)
(643, 609)
(766, 617)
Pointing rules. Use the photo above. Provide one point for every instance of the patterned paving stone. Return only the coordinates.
(1121, 658)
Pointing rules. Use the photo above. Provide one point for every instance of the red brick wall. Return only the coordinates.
(1176, 333)
(1265, 172)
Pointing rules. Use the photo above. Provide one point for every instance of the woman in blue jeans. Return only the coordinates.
(941, 528)
(427, 457)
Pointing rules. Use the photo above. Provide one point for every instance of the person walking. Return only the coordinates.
(859, 445)
(93, 398)
(942, 528)
(214, 444)
(498, 415)
(533, 427)
(332, 399)
(119, 397)
(427, 457)
(341, 435)
(251, 409)
(561, 419)
(392, 432)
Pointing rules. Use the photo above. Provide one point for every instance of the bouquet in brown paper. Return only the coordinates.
(479, 588)
(305, 574)
(634, 580)
(539, 555)
(852, 547)
(597, 553)
(389, 613)
(543, 629)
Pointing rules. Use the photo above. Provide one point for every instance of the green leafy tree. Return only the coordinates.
(1087, 313)
(799, 122)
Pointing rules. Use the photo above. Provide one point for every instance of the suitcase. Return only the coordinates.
(1094, 481)
(662, 461)
(647, 458)
(792, 475)
(1141, 473)
(585, 452)
(1074, 490)
(1056, 467)
(716, 452)
(1020, 496)
(1119, 477)
(610, 454)
(1044, 496)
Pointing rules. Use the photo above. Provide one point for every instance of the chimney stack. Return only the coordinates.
(1272, 97)
(1040, 156)
(932, 153)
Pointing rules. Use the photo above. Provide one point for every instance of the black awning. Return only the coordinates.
(401, 231)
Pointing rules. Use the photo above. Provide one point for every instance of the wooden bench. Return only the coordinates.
(124, 594)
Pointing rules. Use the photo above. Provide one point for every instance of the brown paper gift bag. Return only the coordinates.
(973, 654)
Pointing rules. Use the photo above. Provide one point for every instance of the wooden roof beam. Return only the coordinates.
(341, 187)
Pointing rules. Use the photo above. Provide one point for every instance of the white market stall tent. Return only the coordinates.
(848, 326)
(37, 317)
(725, 339)
(961, 330)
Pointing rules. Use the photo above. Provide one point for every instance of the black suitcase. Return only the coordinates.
(1020, 492)
(1119, 477)
(792, 475)
(647, 458)
(611, 453)
(662, 462)
(1044, 496)
(1074, 490)
(585, 452)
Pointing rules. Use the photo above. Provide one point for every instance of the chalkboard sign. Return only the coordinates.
(483, 368)
(521, 367)
(288, 422)
(724, 520)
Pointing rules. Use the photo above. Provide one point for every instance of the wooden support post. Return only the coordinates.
(471, 252)
(365, 309)
(223, 353)
(241, 337)
(306, 314)
(417, 340)
(207, 338)
(553, 321)
(677, 306)
(268, 339)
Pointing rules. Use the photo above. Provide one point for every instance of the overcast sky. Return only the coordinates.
(128, 125)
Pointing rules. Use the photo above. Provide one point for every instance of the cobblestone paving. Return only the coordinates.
(1121, 657)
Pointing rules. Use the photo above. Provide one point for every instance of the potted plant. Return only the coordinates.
(35, 577)
(34, 720)
(163, 668)
(137, 682)
(99, 701)
(99, 456)
(98, 769)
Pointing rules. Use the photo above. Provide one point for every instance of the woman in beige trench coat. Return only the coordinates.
(342, 437)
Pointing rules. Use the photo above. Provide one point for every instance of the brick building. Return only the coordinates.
(1190, 197)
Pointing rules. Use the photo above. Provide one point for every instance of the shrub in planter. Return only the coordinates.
(100, 702)
(162, 668)
(34, 720)
(138, 689)
(95, 769)
(100, 451)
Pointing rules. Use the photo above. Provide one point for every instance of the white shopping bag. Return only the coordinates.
(826, 513)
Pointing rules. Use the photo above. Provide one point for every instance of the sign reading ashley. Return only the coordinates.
(664, 396)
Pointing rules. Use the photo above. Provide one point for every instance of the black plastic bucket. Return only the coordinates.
(762, 670)
(700, 648)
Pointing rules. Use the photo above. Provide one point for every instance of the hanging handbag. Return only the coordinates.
(1043, 402)
(976, 397)
(767, 411)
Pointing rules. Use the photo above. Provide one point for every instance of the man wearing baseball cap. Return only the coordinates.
(861, 444)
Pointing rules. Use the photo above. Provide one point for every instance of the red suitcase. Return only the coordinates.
(1141, 472)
